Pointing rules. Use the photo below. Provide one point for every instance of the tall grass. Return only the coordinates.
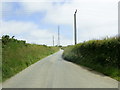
(17, 55)
(99, 55)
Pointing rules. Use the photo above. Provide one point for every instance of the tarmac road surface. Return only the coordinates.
(54, 72)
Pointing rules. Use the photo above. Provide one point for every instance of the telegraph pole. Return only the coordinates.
(58, 36)
(75, 31)
(53, 40)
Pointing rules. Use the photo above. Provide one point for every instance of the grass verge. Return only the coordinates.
(18, 55)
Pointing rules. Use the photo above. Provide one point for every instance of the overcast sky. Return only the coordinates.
(36, 21)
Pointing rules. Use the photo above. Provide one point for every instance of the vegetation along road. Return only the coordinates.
(54, 72)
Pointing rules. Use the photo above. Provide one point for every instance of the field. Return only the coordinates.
(99, 55)
(18, 55)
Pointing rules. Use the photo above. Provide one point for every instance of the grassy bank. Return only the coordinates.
(17, 55)
(99, 55)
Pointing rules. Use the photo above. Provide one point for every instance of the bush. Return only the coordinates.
(5, 39)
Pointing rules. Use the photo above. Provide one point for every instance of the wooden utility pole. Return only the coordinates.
(75, 31)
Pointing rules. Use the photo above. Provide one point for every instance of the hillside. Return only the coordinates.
(18, 55)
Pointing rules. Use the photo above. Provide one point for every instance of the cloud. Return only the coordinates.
(30, 32)
(15, 27)
(36, 0)
(97, 33)
(91, 12)
(95, 19)
(32, 7)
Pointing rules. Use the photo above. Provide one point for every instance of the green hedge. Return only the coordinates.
(100, 55)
